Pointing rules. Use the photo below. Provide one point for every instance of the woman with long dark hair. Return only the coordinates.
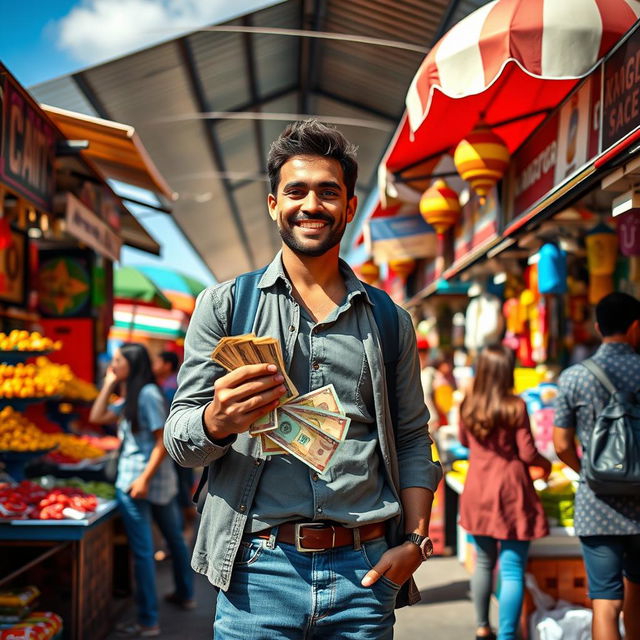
(146, 484)
(499, 505)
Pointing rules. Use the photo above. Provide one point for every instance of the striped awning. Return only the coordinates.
(549, 39)
(131, 321)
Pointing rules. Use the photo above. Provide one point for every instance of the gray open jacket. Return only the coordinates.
(235, 469)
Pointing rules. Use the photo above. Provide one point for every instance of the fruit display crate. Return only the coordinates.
(20, 404)
(15, 462)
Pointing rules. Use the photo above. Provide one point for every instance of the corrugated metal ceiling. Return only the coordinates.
(216, 164)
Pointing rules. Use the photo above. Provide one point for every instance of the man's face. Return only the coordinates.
(160, 367)
(311, 207)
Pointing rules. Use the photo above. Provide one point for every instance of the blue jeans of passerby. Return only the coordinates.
(512, 556)
(137, 516)
(277, 592)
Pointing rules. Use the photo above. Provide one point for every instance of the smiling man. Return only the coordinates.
(297, 553)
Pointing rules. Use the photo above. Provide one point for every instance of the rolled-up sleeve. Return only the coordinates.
(413, 443)
(184, 435)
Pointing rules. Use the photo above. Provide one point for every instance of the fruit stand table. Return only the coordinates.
(74, 571)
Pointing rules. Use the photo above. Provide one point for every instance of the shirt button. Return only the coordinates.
(243, 508)
(315, 365)
(314, 477)
(258, 462)
(319, 509)
(291, 328)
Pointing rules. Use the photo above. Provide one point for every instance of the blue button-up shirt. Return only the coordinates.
(235, 469)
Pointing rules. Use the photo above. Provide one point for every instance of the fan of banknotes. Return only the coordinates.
(310, 427)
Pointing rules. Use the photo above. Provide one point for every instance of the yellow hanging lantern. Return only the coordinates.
(602, 254)
(440, 207)
(402, 267)
(369, 271)
(481, 159)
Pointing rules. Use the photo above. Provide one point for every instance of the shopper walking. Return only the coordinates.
(608, 525)
(146, 483)
(297, 553)
(499, 505)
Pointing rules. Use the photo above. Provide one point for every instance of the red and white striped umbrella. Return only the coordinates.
(543, 39)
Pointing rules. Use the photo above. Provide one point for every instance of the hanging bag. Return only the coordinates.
(612, 459)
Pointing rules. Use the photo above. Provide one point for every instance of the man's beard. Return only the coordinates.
(288, 237)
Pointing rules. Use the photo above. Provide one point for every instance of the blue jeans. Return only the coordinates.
(279, 592)
(137, 516)
(513, 561)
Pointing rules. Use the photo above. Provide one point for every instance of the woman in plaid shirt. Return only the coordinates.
(146, 484)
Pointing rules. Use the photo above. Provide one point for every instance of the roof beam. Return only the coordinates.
(445, 22)
(357, 105)
(85, 86)
(199, 97)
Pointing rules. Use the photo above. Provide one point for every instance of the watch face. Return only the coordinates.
(427, 548)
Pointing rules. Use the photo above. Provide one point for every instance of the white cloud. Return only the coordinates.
(97, 30)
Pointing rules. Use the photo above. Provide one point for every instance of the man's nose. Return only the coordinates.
(311, 202)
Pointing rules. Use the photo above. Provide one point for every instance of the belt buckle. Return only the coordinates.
(315, 525)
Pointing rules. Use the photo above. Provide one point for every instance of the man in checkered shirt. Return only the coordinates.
(608, 526)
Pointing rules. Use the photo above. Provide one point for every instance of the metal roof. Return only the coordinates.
(208, 104)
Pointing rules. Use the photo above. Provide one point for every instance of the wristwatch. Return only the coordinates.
(422, 542)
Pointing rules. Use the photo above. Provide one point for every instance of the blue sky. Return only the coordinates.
(44, 39)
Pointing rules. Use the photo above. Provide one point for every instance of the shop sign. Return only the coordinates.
(101, 200)
(28, 147)
(87, 227)
(621, 114)
(64, 283)
(13, 283)
(559, 148)
(397, 237)
(478, 225)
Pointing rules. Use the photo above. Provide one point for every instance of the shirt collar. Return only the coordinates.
(275, 271)
(619, 348)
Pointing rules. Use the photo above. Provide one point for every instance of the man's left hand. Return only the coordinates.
(397, 564)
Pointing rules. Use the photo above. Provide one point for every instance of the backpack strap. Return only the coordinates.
(600, 375)
(246, 297)
(245, 302)
(386, 317)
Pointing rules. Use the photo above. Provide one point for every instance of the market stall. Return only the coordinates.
(532, 193)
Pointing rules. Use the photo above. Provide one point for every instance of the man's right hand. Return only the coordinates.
(241, 397)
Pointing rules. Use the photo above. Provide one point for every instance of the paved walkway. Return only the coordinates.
(445, 612)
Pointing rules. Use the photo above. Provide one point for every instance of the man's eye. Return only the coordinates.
(330, 194)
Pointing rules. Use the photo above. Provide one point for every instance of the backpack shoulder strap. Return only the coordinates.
(386, 317)
(246, 297)
(600, 375)
(245, 302)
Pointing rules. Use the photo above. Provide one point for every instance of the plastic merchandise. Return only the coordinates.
(556, 620)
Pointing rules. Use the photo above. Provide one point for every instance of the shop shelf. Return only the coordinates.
(14, 357)
(20, 404)
(15, 462)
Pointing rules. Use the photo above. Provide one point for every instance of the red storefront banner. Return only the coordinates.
(28, 146)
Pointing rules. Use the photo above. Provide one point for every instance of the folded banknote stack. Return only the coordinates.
(310, 427)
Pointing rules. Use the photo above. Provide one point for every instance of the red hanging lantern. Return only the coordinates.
(481, 159)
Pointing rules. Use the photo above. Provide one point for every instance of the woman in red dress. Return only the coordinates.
(499, 505)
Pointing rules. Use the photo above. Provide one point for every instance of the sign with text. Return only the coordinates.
(28, 147)
(478, 225)
(621, 113)
(87, 227)
(559, 148)
(13, 284)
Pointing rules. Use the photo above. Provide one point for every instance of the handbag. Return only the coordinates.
(612, 459)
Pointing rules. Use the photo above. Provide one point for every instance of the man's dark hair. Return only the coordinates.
(312, 138)
(171, 358)
(616, 312)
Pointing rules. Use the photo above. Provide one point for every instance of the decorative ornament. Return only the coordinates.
(402, 267)
(369, 271)
(602, 254)
(481, 159)
(440, 206)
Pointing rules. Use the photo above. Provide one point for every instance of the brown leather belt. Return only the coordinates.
(319, 536)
